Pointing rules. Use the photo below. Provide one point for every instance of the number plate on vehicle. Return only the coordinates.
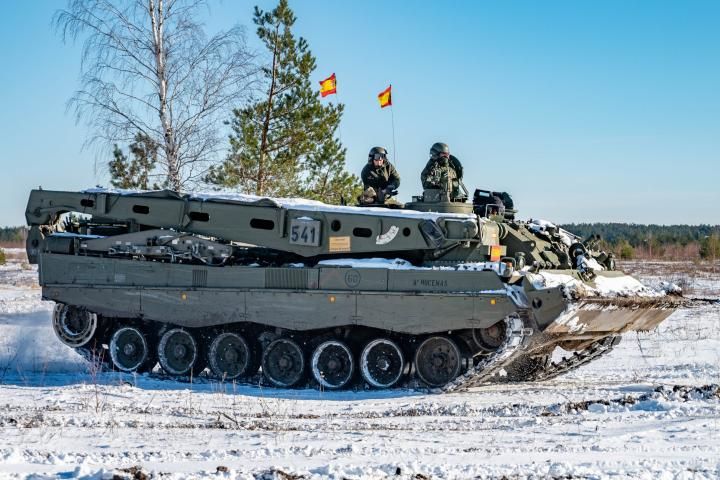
(305, 232)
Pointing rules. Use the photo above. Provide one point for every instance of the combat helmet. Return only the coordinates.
(438, 148)
(376, 151)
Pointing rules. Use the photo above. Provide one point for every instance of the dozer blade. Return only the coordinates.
(603, 316)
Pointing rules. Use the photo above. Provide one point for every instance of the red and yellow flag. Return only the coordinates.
(385, 97)
(328, 86)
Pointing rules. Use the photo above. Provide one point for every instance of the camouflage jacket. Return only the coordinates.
(380, 178)
(431, 174)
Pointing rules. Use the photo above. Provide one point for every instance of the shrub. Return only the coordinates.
(2, 257)
(626, 251)
(710, 247)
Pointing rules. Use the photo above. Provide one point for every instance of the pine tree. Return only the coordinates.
(135, 173)
(284, 144)
(627, 252)
(710, 247)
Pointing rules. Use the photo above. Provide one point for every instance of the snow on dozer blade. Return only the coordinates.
(587, 325)
(609, 303)
(614, 315)
(597, 313)
(442, 296)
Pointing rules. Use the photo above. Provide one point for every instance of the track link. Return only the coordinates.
(577, 360)
(516, 334)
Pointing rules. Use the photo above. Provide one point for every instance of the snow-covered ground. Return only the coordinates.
(650, 409)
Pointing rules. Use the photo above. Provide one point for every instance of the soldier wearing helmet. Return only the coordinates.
(443, 171)
(379, 175)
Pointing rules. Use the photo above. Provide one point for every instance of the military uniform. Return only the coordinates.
(436, 174)
(381, 177)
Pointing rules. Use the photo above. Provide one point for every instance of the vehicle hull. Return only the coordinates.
(405, 301)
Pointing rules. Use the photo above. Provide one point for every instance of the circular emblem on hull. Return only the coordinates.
(352, 278)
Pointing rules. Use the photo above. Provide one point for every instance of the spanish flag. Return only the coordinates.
(385, 97)
(328, 86)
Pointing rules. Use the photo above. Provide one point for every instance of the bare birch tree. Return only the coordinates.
(148, 69)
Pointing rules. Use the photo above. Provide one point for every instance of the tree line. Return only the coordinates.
(180, 109)
(672, 242)
(12, 235)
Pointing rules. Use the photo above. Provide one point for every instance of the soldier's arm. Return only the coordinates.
(393, 176)
(365, 176)
(425, 173)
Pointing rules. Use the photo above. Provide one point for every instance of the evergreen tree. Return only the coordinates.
(284, 144)
(710, 247)
(627, 252)
(12, 234)
(135, 173)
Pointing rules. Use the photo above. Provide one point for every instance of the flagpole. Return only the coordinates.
(392, 121)
(385, 98)
(337, 104)
(323, 87)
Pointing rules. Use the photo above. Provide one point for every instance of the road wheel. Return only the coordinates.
(332, 364)
(283, 363)
(230, 357)
(381, 363)
(178, 352)
(438, 361)
(130, 351)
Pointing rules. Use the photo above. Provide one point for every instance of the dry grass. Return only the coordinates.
(693, 277)
(15, 254)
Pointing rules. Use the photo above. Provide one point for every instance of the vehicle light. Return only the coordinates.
(495, 252)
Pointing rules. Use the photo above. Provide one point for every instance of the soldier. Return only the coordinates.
(380, 176)
(443, 171)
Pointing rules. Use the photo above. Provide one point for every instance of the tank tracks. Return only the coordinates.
(487, 368)
(550, 369)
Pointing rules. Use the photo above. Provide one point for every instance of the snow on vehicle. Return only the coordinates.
(439, 293)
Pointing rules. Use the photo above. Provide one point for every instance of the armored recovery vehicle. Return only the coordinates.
(442, 294)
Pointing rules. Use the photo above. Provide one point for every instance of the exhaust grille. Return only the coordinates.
(293, 278)
(199, 278)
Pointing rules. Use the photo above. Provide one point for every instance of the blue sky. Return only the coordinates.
(583, 111)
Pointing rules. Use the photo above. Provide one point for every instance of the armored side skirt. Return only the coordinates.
(407, 301)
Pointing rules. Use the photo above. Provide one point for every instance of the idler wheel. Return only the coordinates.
(332, 364)
(177, 352)
(129, 350)
(382, 363)
(438, 361)
(491, 338)
(74, 326)
(230, 357)
(283, 363)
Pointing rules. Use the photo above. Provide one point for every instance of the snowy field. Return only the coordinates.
(650, 409)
